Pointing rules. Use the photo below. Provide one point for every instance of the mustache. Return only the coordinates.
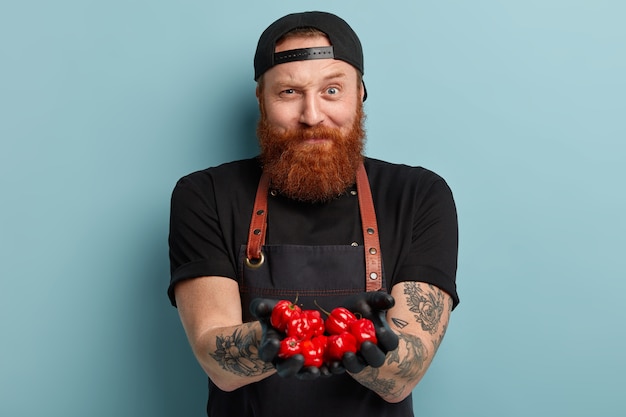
(305, 133)
(317, 132)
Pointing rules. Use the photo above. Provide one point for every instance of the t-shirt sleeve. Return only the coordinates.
(432, 257)
(196, 241)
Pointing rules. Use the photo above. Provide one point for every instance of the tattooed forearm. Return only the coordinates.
(370, 378)
(405, 365)
(411, 365)
(426, 304)
(420, 319)
(238, 353)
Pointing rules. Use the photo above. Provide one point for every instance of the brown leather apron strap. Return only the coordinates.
(371, 242)
(256, 234)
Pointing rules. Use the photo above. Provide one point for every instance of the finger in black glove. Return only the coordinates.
(288, 367)
(261, 309)
(373, 306)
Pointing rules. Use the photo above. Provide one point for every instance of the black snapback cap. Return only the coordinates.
(345, 43)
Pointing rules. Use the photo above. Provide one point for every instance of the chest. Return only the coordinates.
(335, 223)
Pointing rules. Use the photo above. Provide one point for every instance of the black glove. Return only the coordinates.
(261, 309)
(373, 306)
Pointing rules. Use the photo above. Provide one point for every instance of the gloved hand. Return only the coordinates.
(373, 306)
(261, 309)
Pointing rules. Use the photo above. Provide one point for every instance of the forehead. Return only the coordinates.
(298, 42)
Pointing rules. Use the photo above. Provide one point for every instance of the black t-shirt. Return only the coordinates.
(211, 211)
(210, 217)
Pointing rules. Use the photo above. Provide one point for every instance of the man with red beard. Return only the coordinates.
(313, 221)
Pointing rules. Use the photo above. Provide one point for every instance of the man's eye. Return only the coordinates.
(289, 91)
(332, 91)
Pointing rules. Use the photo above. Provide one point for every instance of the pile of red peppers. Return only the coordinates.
(320, 341)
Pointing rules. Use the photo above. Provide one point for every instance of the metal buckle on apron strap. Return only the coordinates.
(258, 224)
(254, 265)
(371, 242)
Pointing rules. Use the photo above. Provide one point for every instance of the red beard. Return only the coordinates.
(311, 172)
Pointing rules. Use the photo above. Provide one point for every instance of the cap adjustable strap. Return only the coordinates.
(322, 52)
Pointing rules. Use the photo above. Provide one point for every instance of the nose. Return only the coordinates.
(311, 113)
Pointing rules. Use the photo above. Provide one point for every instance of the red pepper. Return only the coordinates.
(315, 321)
(306, 325)
(339, 320)
(284, 311)
(299, 327)
(363, 329)
(338, 344)
(289, 346)
(313, 350)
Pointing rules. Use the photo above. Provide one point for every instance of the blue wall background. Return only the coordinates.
(518, 104)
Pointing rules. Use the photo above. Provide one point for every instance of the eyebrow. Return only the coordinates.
(334, 75)
(338, 74)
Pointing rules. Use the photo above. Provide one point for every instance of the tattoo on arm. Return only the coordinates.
(400, 324)
(427, 306)
(238, 353)
(412, 363)
(409, 367)
(369, 378)
(437, 342)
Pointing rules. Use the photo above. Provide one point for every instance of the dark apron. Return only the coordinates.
(318, 277)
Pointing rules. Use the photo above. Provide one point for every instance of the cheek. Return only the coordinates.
(344, 119)
(343, 113)
(281, 116)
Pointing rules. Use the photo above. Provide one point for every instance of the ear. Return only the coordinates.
(259, 99)
(363, 92)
